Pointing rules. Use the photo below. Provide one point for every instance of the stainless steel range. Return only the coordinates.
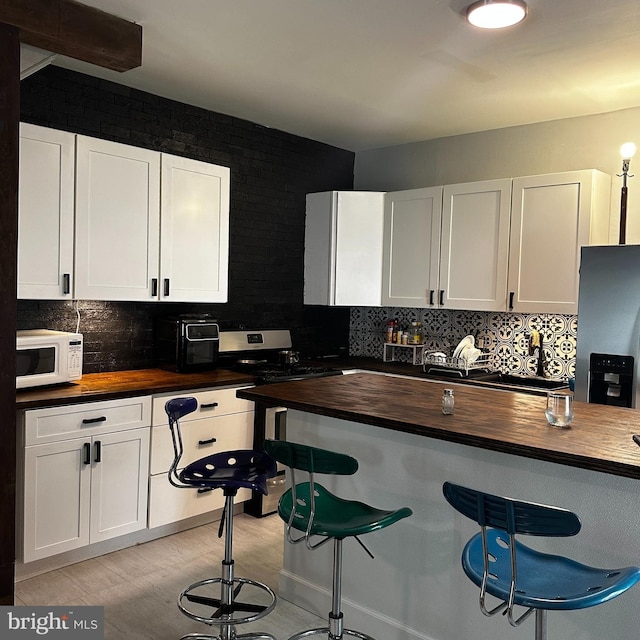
(267, 355)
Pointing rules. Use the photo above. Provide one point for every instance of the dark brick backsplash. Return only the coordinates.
(271, 172)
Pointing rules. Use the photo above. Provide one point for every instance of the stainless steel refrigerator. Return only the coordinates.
(608, 349)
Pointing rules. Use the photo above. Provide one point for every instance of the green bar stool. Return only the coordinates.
(520, 576)
(309, 508)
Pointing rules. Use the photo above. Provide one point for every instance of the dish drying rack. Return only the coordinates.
(448, 364)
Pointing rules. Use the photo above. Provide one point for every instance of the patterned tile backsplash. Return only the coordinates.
(504, 335)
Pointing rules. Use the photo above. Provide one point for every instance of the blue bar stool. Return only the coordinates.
(229, 471)
(311, 509)
(517, 575)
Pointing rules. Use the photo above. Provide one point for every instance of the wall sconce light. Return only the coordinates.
(627, 151)
(496, 14)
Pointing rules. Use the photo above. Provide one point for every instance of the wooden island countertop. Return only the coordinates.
(599, 439)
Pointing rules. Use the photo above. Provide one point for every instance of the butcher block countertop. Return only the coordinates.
(122, 384)
(599, 439)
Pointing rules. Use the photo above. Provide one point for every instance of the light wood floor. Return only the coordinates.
(138, 586)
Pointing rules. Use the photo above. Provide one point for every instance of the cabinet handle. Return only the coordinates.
(166, 287)
(86, 449)
(98, 457)
(154, 287)
(511, 294)
(431, 297)
(205, 489)
(94, 420)
(441, 297)
(201, 443)
(66, 283)
(211, 405)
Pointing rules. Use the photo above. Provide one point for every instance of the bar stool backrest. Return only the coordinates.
(311, 459)
(510, 515)
(177, 408)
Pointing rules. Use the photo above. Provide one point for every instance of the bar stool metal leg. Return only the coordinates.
(227, 605)
(541, 624)
(335, 630)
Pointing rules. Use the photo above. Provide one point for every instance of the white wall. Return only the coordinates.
(589, 142)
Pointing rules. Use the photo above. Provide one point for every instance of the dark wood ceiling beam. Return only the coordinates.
(72, 29)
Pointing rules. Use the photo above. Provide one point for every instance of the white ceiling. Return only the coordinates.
(361, 74)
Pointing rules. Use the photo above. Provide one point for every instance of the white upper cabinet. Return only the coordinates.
(552, 217)
(474, 249)
(343, 248)
(148, 226)
(45, 218)
(117, 221)
(194, 240)
(411, 247)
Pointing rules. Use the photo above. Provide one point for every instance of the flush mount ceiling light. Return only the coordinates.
(496, 14)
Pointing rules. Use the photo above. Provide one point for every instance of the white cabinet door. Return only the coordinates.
(411, 247)
(201, 438)
(222, 422)
(45, 213)
(117, 221)
(194, 243)
(120, 475)
(57, 484)
(343, 248)
(84, 475)
(475, 245)
(552, 217)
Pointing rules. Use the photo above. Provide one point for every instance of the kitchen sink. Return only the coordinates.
(531, 382)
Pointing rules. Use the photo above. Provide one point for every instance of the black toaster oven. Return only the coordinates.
(187, 343)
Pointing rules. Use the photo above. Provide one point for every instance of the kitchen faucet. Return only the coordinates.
(536, 342)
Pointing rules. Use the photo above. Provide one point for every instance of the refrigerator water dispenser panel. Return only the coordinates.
(611, 379)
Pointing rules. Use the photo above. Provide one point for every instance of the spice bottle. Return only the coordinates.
(447, 401)
(389, 335)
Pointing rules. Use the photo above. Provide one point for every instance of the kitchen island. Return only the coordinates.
(496, 441)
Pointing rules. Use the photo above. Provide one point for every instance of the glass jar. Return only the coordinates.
(416, 336)
(447, 402)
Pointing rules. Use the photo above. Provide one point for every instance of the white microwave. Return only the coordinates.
(46, 357)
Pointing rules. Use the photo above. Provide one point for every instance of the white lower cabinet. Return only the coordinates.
(84, 473)
(221, 422)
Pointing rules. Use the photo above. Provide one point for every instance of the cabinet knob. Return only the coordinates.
(166, 287)
(441, 297)
(66, 283)
(154, 287)
(210, 405)
(511, 295)
(86, 450)
(94, 420)
(201, 443)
